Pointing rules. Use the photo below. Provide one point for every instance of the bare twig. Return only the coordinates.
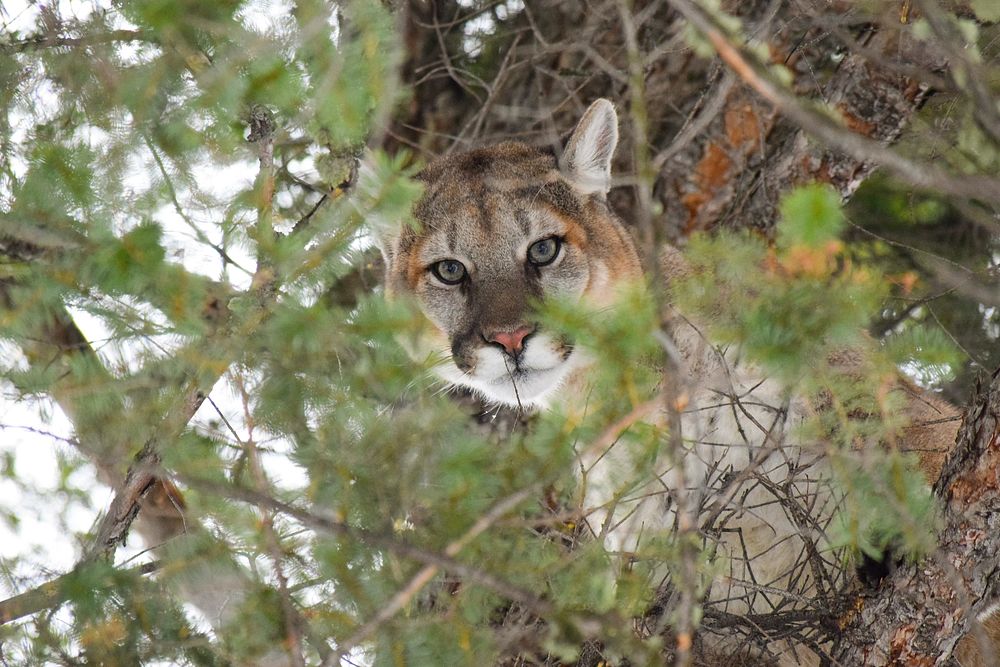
(49, 40)
(645, 173)
(692, 128)
(262, 127)
(172, 193)
(685, 581)
(968, 73)
(373, 539)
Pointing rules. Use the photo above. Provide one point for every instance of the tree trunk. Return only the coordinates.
(918, 615)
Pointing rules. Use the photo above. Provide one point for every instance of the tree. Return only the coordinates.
(186, 278)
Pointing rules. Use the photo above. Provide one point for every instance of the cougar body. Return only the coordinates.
(505, 225)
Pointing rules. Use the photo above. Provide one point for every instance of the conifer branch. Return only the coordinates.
(52, 594)
(441, 561)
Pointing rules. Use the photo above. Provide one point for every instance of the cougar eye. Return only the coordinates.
(449, 271)
(545, 251)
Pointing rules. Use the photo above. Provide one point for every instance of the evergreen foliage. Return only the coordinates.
(152, 194)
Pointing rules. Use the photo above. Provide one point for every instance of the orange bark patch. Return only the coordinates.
(693, 202)
(901, 653)
(742, 126)
(852, 612)
(742, 129)
(985, 477)
(712, 171)
(855, 123)
(815, 170)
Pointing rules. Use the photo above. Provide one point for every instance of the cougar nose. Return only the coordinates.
(512, 341)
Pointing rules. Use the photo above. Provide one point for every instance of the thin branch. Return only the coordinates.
(474, 125)
(374, 539)
(971, 75)
(52, 594)
(293, 621)
(639, 116)
(172, 193)
(919, 174)
(126, 504)
(48, 40)
(262, 127)
(692, 128)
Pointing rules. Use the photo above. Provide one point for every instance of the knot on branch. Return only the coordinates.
(127, 502)
(261, 122)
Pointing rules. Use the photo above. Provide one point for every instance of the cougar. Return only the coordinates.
(504, 226)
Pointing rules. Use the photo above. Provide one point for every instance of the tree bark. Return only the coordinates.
(918, 615)
(723, 155)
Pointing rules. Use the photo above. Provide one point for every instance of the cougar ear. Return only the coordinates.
(586, 161)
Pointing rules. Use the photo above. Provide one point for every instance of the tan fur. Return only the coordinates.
(968, 653)
(933, 427)
(485, 208)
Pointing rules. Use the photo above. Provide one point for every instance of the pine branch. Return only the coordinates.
(52, 594)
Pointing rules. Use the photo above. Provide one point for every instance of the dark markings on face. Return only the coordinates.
(478, 163)
(493, 197)
(485, 217)
(463, 348)
(407, 239)
(452, 235)
(533, 275)
(557, 194)
(521, 217)
(424, 209)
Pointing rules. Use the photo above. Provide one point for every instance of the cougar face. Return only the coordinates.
(501, 228)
